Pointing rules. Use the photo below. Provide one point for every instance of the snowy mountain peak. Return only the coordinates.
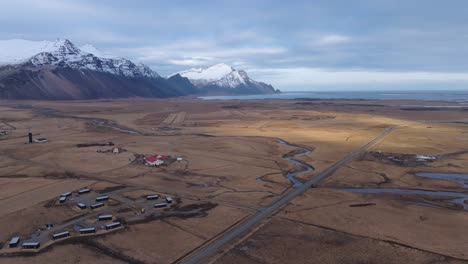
(65, 47)
(222, 76)
(220, 67)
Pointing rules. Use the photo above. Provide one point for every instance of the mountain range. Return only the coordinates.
(59, 70)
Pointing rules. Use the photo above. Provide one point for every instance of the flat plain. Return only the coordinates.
(233, 163)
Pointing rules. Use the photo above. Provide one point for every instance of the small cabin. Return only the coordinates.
(31, 245)
(113, 225)
(102, 198)
(152, 197)
(62, 199)
(169, 199)
(82, 206)
(160, 205)
(105, 217)
(94, 206)
(61, 235)
(90, 230)
(14, 241)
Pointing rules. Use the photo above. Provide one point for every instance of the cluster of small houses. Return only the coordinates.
(14, 242)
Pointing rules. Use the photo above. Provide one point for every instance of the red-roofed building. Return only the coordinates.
(155, 160)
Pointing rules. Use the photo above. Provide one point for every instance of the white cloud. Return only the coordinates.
(333, 39)
(243, 52)
(190, 62)
(196, 53)
(58, 7)
(102, 37)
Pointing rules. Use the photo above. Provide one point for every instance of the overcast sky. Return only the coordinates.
(294, 45)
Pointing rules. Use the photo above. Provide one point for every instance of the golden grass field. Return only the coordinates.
(230, 158)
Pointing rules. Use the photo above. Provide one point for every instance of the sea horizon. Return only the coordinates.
(433, 95)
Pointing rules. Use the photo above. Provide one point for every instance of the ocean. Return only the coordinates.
(366, 95)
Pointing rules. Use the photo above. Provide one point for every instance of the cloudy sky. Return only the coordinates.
(294, 45)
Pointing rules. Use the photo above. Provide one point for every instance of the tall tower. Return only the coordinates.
(30, 137)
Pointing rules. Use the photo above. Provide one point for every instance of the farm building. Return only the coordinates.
(14, 241)
(62, 199)
(152, 197)
(90, 230)
(82, 206)
(84, 190)
(169, 199)
(113, 225)
(160, 205)
(94, 206)
(67, 194)
(61, 235)
(155, 160)
(105, 217)
(102, 198)
(31, 245)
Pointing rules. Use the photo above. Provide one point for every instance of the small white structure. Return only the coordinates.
(424, 157)
(40, 140)
(179, 159)
(155, 163)
(116, 150)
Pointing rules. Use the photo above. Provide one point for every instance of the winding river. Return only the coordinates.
(305, 167)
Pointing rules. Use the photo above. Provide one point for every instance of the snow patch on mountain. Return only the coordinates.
(212, 73)
(14, 51)
(88, 48)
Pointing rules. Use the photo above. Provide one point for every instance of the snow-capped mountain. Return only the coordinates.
(64, 53)
(222, 77)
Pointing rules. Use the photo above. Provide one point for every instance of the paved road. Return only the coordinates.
(244, 228)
